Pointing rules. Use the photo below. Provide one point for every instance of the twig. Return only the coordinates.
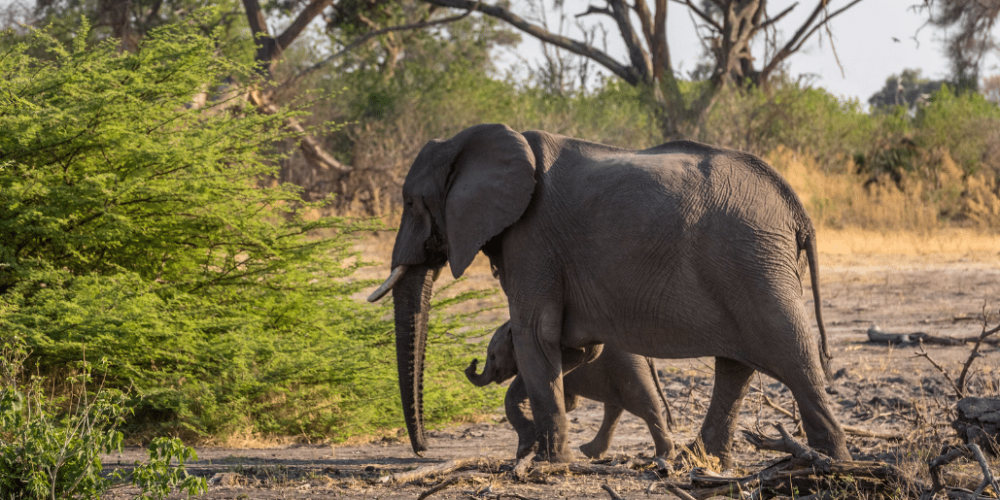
(988, 479)
(514, 495)
(614, 494)
(787, 444)
(948, 455)
(857, 431)
(680, 493)
(429, 470)
(975, 351)
(372, 34)
(440, 486)
(583, 468)
(923, 354)
(778, 408)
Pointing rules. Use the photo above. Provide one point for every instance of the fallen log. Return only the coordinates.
(809, 470)
(877, 336)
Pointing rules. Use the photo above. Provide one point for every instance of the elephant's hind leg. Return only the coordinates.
(822, 429)
(653, 415)
(602, 441)
(732, 380)
(792, 357)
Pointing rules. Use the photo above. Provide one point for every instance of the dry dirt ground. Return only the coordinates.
(878, 388)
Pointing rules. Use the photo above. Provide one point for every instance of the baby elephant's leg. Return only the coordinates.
(602, 441)
(518, 411)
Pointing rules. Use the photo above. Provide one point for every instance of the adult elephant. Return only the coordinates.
(677, 251)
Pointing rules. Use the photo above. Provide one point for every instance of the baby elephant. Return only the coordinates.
(620, 380)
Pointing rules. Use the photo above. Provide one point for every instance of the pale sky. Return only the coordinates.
(863, 38)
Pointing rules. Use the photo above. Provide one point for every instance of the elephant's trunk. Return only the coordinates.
(412, 296)
(481, 379)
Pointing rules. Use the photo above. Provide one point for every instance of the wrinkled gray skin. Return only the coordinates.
(620, 380)
(676, 251)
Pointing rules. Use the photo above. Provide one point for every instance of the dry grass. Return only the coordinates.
(921, 203)
(954, 242)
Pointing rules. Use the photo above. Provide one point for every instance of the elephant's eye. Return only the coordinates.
(409, 202)
(493, 357)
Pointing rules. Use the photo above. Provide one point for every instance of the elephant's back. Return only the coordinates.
(653, 240)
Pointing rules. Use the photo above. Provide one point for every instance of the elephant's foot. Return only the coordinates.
(552, 449)
(594, 449)
(696, 453)
(665, 449)
(526, 447)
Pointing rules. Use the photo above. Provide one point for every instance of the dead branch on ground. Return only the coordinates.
(438, 487)
(614, 494)
(808, 469)
(857, 431)
(951, 453)
(429, 470)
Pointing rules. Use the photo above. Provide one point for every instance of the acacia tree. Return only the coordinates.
(970, 36)
(732, 26)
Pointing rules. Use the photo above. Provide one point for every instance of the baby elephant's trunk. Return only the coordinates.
(481, 379)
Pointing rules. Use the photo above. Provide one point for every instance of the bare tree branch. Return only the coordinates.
(921, 353)
(311, 148)
(596, 10)
(637, 55)
(301, 21)
(975, 351)
(777, 18)
(368, 36)
(702, 14)
(629, 74)
(804, 32)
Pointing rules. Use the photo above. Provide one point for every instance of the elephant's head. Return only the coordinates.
(500, 363)
(458, 194)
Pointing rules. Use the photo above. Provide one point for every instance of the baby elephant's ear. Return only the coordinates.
(494, 178)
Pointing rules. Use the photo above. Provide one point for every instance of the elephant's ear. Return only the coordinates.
(493, 179)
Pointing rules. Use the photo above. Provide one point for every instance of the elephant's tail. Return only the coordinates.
(808, 238)
(659, 390)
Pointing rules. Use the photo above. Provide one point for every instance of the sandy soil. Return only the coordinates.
(877, 387)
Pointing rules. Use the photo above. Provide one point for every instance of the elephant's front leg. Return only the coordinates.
(539, 359)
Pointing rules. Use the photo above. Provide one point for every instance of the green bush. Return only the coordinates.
(801, 118)
(132, 226)
(966, 125)
(44, 455)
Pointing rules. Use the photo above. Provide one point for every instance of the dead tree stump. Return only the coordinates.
(978, 421)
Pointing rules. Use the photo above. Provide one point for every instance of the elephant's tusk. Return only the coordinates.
(390, 282)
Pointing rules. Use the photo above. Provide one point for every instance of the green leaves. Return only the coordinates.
(138, 223)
